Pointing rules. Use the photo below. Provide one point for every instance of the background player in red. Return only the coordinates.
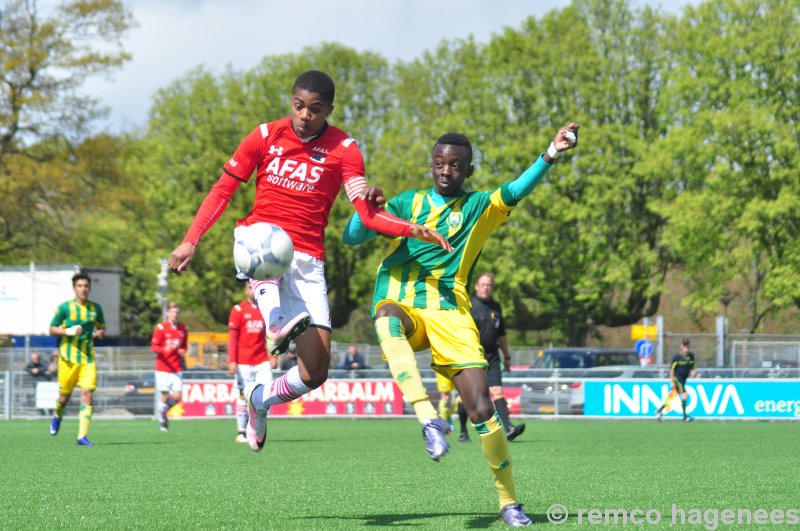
(300, 163)
(169, 344)
(248, 360)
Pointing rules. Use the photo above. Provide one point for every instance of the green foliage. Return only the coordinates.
(735, 95)
(64, 197)
(46, 59)
(585, 249)
(687, 160)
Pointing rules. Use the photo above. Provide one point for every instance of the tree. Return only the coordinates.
(45, 61)
(585, 249)
(736, 223)
(43, 115)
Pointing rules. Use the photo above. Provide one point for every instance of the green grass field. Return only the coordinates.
(375, 473)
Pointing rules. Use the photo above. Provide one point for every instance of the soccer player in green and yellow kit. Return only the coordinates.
(421, 296)
(78, 322)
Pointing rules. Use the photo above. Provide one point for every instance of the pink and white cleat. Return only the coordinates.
(281, 332)
(256, 431)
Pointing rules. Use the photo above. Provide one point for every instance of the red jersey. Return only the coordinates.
(297, 182)
(247, 335)
(169, 344)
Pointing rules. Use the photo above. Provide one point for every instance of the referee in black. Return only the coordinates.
(488, 316)
(681, 369)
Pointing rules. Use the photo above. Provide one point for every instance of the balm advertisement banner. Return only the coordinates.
(217, 398)
(728, 398)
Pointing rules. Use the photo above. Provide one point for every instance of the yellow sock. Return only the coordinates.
(445, 408)
(85, 419)
(453, 407)
(495, 449)
(60, 409)
(403, 364)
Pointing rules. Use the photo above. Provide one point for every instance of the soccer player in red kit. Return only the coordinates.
(248, 360)
(300, 163)
(169, 344)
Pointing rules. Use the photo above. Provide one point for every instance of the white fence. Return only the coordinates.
(765, 354)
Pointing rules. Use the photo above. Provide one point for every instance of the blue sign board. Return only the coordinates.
(644, 348)
(714, 399)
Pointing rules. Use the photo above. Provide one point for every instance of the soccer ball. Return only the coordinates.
(262, 251)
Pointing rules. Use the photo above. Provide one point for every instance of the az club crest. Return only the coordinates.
(454, 220)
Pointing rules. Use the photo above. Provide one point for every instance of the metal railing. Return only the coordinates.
(532, 393)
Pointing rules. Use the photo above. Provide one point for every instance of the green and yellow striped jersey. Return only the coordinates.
(79, 349)
(423, 275)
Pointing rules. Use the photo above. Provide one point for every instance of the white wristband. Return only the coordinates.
(71, 331)
(552, 151)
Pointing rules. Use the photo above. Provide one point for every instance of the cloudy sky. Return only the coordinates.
(174, 36)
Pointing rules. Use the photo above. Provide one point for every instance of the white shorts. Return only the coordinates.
(261, 373)
(169, 382)
(303, 289)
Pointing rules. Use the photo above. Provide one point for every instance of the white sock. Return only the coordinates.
(286, 388)
(241, 414)
(268, 298)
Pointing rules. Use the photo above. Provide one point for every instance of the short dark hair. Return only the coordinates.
(80, 276)
(485, 274)
(318, 83)
(456, 139)
(685, 342)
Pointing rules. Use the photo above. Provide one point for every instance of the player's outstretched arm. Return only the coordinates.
(378, 220)
(423, 233)
(209, 212)
(356, 232)
(566, 138)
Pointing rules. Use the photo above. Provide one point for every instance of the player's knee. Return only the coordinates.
(480, 412)
(316, 377)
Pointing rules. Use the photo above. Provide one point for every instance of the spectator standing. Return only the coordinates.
(169, 345)
(78, 322)
(248, 360)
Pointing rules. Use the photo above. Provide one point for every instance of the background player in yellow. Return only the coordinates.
(78, 322)
(421, 297)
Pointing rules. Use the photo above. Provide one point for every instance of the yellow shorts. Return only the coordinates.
(443, 384)
(71, 373)
(450, 334)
